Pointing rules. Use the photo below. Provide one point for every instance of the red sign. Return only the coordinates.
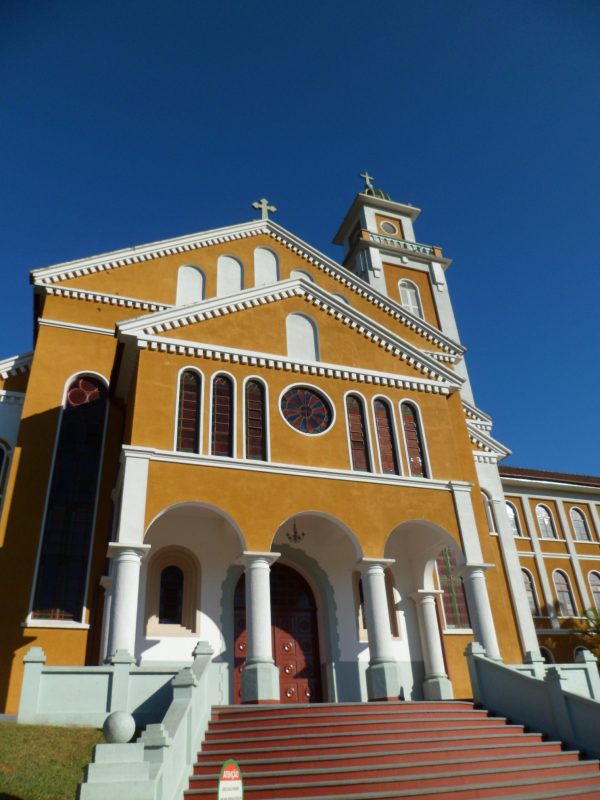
(231, 785)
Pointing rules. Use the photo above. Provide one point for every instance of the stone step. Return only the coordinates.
(374, 715)
(316, 709)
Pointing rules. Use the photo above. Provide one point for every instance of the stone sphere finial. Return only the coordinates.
(119, 727)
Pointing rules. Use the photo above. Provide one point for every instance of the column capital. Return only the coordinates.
(249, 556)
(424, 594)
(473, 567)
(106, 582)
(119, 549)
(368, 563)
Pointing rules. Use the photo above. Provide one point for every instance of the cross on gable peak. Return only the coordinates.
(264, 207)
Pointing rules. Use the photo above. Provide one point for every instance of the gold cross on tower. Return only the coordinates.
(263, 205)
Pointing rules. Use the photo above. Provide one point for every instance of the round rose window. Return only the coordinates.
(306, 410)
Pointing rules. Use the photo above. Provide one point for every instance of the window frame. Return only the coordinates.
(534, 593)
(419, 302)
(367, 433)
(517, 522)
(200, 411)
(561, 614)
(394, 434)
(553, 527)
(266, 421)
(595, 594)
(186, 561)
(427, 471)
(586, 527)
(233, 413)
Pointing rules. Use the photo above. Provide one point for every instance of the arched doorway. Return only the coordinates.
(294, 634)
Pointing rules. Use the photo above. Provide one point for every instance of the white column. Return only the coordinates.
(383, 672)
(260, 677)
(436, 685)
(479, 608)
(126, 578)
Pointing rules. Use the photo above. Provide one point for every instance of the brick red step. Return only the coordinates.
(315, 710)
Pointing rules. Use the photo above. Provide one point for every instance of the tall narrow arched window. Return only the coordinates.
(71, 504)
(530, 592)
(188, 412)
(190, 285)
(566, 604)
(256, 428)
(385, 437)
(582, 533)
(266, 267)
(513, 518)
(230, 278)
(489, 511)
(545, 522)
(594, 581)
(454, 599)
(414, 441)
(170, 608)
(410, 298)
(222, 417)
(4, 456)
(302, 338)
(357, 431)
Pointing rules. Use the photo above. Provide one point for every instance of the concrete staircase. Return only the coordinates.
(362, 751)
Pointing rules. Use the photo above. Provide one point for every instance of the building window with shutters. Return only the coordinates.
(530, 592)
(358, 435)
(454, 601)
(413, 439)
(410, 297)
(545, 522)
(564, 595)
(222, 421)
(255, 421)
(386, 439)
(580, 527)
(188, 412)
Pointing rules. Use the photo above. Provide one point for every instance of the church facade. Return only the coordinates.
(229, 436)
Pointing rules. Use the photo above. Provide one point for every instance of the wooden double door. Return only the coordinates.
(294, 636)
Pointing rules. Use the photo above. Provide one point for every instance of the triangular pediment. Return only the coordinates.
(252, 323)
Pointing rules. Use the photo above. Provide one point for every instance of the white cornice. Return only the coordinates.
(164, 321)
(182, 244)
(106, 298)
(221, 462)
(546, 489)
(76, 326)
(15, 365)
(11, 398)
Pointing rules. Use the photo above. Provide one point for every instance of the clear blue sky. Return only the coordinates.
(126, 121)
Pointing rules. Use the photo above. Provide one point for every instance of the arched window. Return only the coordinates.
(546, 655)
(489, 511)
(230, 277)
(454, 600)
(594, 581)
(188, 412)
(544, 518)
(566, 605)
(170, 609)
(266, 267)
(71, 505)
(530, 592)
(410, 298)
(414, 441)
(582, 533)
(222, 417)
(256, 429)
(513, 518)
(385, 437)
(4, 457)
(302, 338)
(190, 285)
(357, 431)
(302, 273)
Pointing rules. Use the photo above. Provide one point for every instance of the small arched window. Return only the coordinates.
(530, 592)
(566, 604)
(385, 437)
(230, 278)
(190, 285)
(454, 600)
(222, 417)
(302, 338)
(266, 267)
(513, 518)
(170, 610)
(188, 412)
(546, 523)
(256, 429)
(410, 298)
(594, 580)
(414, 440)
(489, 511)
(357, 431)
(582, 533)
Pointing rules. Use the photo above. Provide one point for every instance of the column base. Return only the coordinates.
(438, 687)
(383, 681)
(260, 683)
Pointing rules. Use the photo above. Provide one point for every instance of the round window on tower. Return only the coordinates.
(389, 227)
(306, 410)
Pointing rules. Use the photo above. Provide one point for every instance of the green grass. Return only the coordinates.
(38, 762)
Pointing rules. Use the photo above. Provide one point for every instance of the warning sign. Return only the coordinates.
(231, 785)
